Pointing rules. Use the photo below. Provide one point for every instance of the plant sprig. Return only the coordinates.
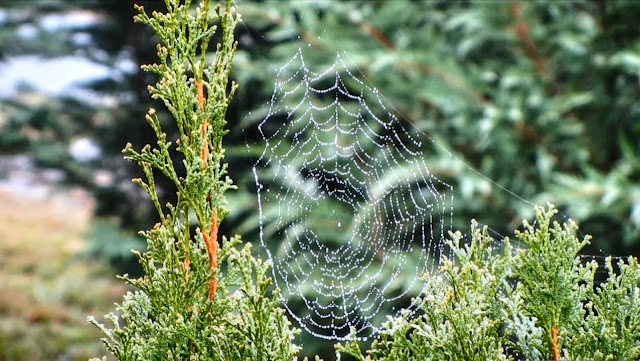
(200, 299)
(540, 301)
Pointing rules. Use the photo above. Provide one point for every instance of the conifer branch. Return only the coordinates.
(522, 32)
(183, 308)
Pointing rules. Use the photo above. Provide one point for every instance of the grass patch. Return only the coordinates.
(46, 291)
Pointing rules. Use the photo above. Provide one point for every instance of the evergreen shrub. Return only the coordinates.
(199, 298)
(540, 301)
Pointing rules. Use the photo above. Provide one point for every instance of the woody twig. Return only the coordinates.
(210, 236)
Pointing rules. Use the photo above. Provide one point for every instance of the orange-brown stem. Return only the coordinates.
(554, 340)
(377, 34)
(205, 151)
(210, 237)
(213, 258)
(213, 253)
(187, 264)
(522, 32)
(205, 123)
(200, 90)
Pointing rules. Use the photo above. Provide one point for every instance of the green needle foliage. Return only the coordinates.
(197, 300)
(460, 318)
(502, 303)
(554, 280)
(612, 327)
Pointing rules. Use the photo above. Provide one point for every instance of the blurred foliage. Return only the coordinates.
(47, 125)
(108, 242)
(539, 97)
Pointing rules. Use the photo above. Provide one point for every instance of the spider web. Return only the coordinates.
(350, 214)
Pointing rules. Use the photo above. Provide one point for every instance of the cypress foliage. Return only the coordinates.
(538, 302)
(199, 298)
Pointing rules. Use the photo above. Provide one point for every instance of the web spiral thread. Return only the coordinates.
(350, 214)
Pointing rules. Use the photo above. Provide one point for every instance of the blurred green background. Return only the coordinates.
(539, 97)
